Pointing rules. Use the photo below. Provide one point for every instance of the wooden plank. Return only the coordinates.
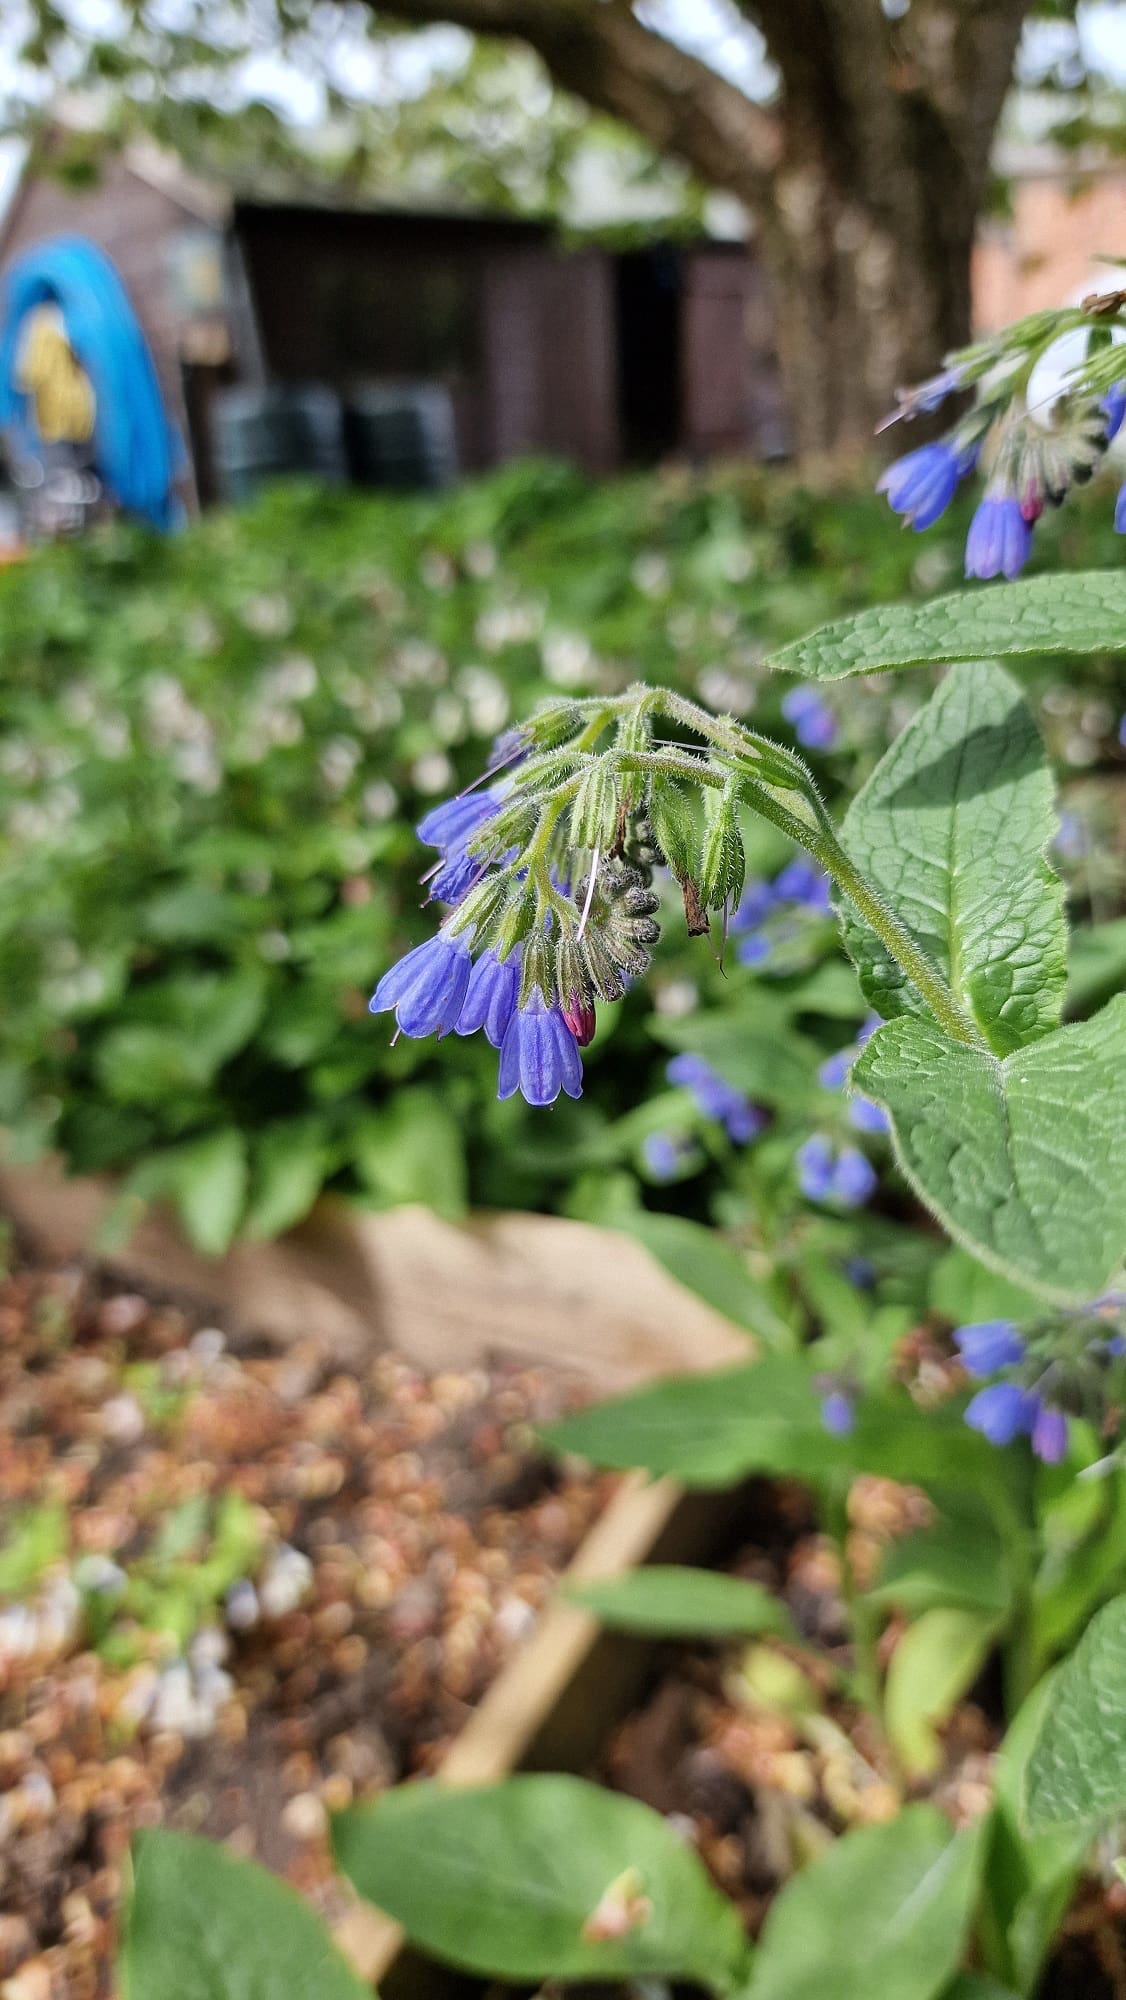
(445, 1295)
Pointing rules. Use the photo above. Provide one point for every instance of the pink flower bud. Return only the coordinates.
(580, 1018)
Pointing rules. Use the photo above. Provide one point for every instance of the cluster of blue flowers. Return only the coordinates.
(741, 1120)
(439, 988)
(1007, 1410)
(842, 1175)
(833, 1074)
(838, 1408)
(665, 1155)
(1029, 469)
(772, 913)
(811, 718)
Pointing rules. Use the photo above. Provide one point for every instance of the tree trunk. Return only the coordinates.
(866, 303)
(865, 180)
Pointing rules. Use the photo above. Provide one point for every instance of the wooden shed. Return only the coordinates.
(603, 356)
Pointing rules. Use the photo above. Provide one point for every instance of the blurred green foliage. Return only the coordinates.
(213, 749)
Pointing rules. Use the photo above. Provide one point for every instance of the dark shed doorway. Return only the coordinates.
(649, 321)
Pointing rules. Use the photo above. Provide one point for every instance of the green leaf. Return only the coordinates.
(964, 1292)
(1022, 1160)
(290, 1163)
(974, 1986)
(1083, 1563)
(701, 1261)
(952, 827)
(937, 1660)
(136, 1064)
(1084, 612)
(1029, 1882)
(668, 1602)
(882, 1912)
(413, 1150)
(708, 1430)
(210, 1184)
(36, 1539)
(502, 1880)
(1076, 1775)
(203, 1925)
(960, 1560)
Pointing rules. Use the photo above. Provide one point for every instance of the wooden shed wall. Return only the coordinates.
(522, 336)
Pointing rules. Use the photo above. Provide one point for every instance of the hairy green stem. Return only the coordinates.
(821, 841)
(899, 944)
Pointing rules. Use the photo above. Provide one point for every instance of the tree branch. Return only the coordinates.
(604, 54)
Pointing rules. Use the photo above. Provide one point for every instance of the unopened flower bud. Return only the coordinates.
(553, 723)
(594, 815)
(481, 907)
(538, 969)
(675, 828)
(722, 864)
(578, 1012)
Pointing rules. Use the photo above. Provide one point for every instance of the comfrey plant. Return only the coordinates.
(1031, 450)
(1007, 1124)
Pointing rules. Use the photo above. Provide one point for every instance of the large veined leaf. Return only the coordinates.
(1084, 612)
(953, 827)
(883, 1912)
(1023, 1159)
(506, 1880)
(1076, 1772)
(668, 1602)
(707, 1430)
(201, 1924)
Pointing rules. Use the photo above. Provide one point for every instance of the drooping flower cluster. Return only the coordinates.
(546, 867)
(1007, 1410)
(1032, 451)
(1042, 1375)
(520, 956)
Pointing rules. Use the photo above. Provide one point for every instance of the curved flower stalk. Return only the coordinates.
(547, 874)
(1030, 452)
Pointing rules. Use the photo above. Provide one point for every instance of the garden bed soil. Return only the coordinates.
(755, 1788)
(435, 1532)
(432, 1530)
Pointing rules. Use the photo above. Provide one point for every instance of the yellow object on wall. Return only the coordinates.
(48, 371)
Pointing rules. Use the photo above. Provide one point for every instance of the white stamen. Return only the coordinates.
(594, 860)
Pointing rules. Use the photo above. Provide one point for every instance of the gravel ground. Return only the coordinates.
(255, 1585)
